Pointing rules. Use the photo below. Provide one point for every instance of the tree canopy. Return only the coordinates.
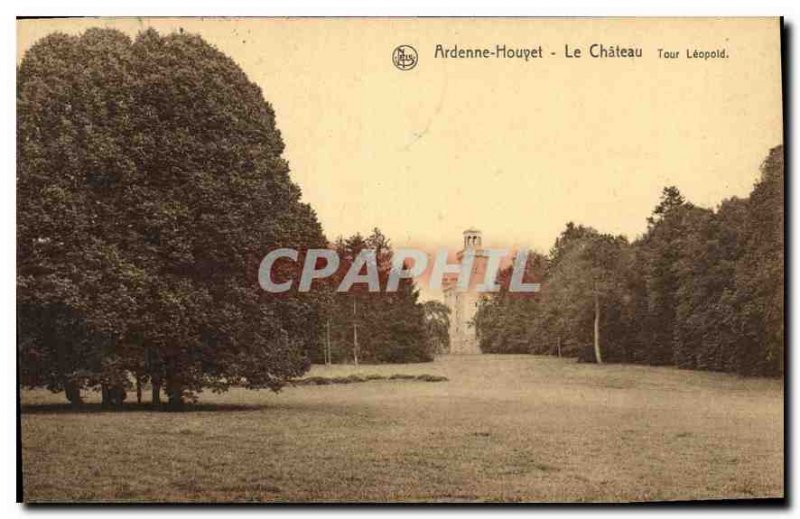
(701, 289)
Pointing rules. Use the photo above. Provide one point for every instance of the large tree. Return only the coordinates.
(660, 252)
(151, 183)
(586, 291)
(759, 301)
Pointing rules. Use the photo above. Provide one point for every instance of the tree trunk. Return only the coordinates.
(154, 367)
(113, 396)
(73, 393)
(138, 389)
(598, 356)
(71, 389)
(174, 390)
(355, 334)
(328, 360)
(174, 398)
(156, 398)
(105, 400)
(355, 344)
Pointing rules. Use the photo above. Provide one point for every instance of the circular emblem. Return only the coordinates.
(405, 57)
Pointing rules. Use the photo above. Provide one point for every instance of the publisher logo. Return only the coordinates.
(405, 57)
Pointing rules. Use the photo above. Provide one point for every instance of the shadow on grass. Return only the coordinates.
(199, 407)
(321, 408)
(145, 407)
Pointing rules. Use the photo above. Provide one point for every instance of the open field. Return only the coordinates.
(503, 428)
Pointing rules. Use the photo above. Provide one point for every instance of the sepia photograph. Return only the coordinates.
(386, 260)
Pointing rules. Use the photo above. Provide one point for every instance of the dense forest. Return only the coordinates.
(701, 289)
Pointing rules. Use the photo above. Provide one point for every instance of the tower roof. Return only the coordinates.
(472, 230)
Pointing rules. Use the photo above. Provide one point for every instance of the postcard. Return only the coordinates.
(400, 260)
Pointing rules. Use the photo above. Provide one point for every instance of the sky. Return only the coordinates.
(515, 148)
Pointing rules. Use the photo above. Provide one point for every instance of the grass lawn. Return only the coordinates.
(503, 428)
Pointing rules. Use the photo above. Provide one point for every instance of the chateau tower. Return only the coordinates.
(472, 239)
(464, 305)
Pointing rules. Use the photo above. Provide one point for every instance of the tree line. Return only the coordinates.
(700, 289)
(383, 326)
(150, 183)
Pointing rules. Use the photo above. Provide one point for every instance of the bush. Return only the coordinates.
(351, 379)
